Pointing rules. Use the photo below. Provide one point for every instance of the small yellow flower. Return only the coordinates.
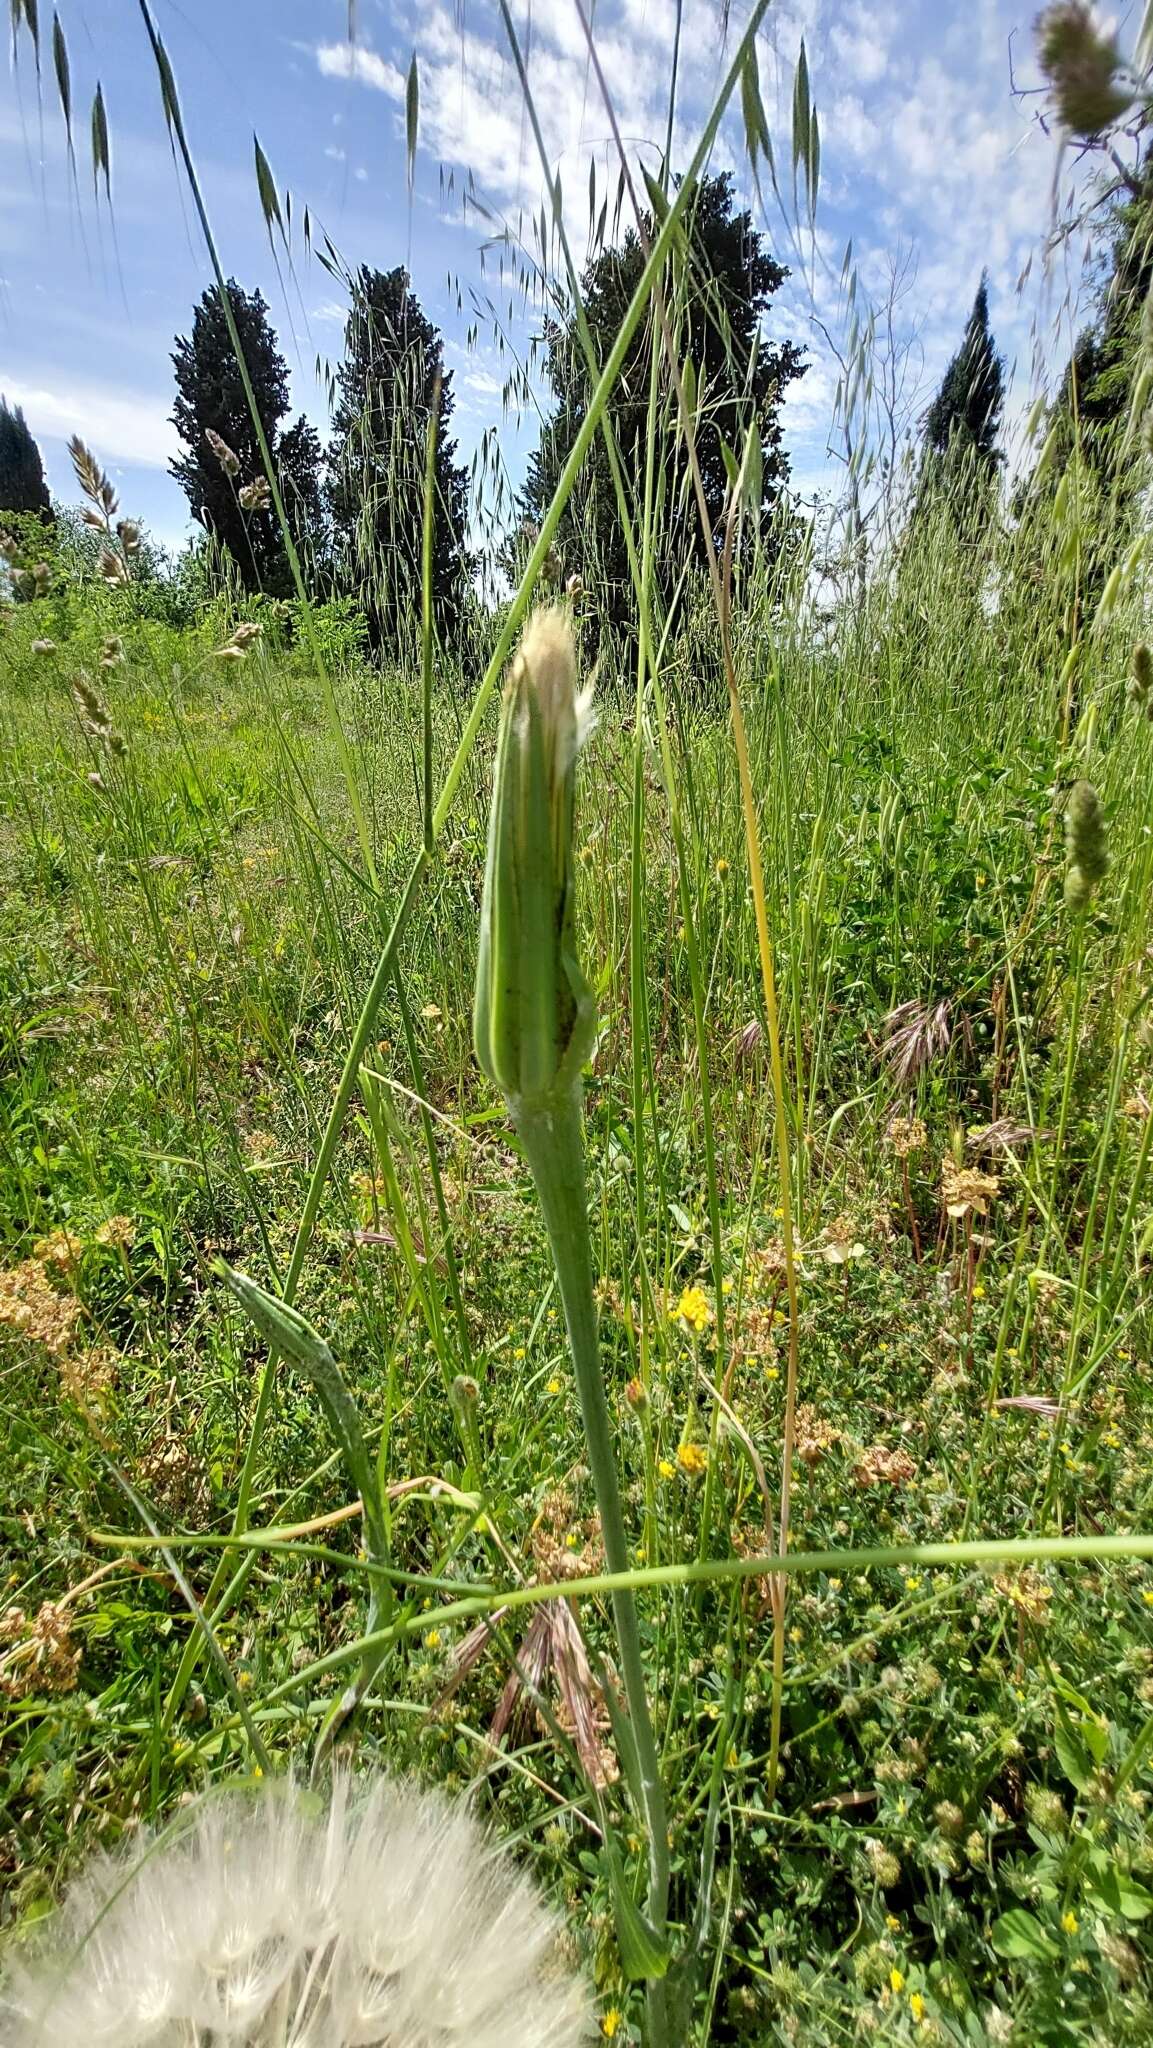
(912, 1583)
(722, 868)
(692, 1308)
(692, 1457)
(917, 2007)
(432, 1639)
(896, 1982)
(1147, 1596)
(772, 1372)
(554, 1385)
(978, 1292)
(519, 1352)
(1069, 1922)
(892, 1922)
(610, 2022)
(666, 1470)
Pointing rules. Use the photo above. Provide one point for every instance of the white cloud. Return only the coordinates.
(119, 425)
(365, 66)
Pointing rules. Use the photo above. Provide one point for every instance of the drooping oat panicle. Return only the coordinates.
(533, 1018)
(274, 1919)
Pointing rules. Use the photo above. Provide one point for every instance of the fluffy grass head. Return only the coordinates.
(277, 1919)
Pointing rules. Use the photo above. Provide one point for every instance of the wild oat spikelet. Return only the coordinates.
(1082, 67)
(228, 460)
(268, 1918)
(256, 496)
(93, 481)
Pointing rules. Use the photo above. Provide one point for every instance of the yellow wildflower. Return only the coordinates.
(692, 1308)
(917, 2007)
(1069, 1922)
(610, 2022)
(896, 1982)
(692, 1457)
(554, 1385)
(666, 1470)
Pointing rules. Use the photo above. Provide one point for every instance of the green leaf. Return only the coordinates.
(814, 160)
(1121, 1895)
(411, 117)
(643, 1954)
(1020, 1935)
(1072, 1755)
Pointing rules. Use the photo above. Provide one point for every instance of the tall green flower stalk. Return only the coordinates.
(534, 1026)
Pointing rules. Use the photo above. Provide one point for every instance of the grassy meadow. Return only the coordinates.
(958, 1842)
(870, 1214)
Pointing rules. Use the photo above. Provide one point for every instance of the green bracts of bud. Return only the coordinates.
(534, 1021)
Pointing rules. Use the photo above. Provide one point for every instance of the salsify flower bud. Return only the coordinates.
(533, 1017)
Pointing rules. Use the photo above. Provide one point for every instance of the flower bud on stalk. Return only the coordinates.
(534, 1025)
(533, 1020)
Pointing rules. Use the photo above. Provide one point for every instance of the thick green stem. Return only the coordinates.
(551, 1136)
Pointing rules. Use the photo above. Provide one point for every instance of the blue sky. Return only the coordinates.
(926, 158)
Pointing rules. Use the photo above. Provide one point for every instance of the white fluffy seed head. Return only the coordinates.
(270, 1918)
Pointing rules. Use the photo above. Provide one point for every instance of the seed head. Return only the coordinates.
(533, 1018)
(1141, 679)
(228, 460)
(129, 534)
(256, 496)
(1085, 844)
(93, 481)
(1081, 65)
(272, 1919)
